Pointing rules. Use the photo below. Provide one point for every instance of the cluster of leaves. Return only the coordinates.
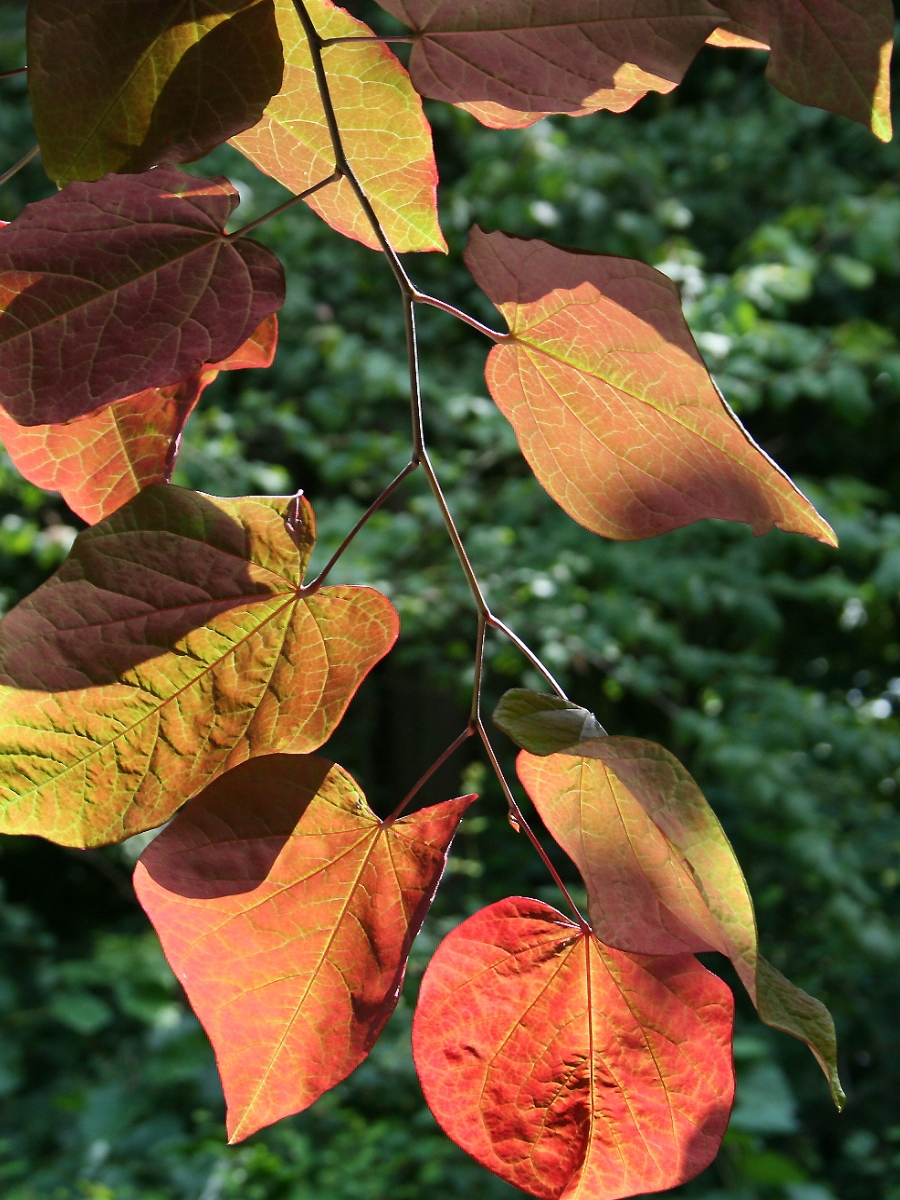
(154, 668)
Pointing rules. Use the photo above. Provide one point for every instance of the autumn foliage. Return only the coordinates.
(182, 666)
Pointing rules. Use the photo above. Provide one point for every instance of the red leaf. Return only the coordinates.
(99, 461)
(833, 54)
(567, 1068)
(551, 55)
(287, 910)
(110, 288)
(611, 402)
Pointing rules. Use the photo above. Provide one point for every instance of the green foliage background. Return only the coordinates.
(771, 666)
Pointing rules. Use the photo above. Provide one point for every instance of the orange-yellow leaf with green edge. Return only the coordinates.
(571, 1070)
(385, 134)
(660, 873)
(174, 642)
(611, 402)
(287, 909)
(99, 461)
(832, 54)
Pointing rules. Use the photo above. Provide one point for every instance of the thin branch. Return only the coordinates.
(14, 71)
(316, 187)
(341, 41)
(422, 298)
(517, 820)
(17, 167)
(309, 589)
(435, 766)
(475, 714)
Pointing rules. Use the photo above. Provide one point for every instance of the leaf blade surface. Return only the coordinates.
(171, 645)
(287, 910)
(612, 404)
(569, 1069)
(122, 85)
(113, 287)
(385, 134)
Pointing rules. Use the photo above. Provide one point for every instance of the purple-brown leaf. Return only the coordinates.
(113, 287)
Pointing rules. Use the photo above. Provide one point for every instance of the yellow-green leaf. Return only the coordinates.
(173, 643)
(385, 134)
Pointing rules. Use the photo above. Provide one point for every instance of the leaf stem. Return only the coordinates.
(435, 766)
(311, 588)
(316, 187)
(17, 167)
(422, 298)
(14, 71)
(517, 820)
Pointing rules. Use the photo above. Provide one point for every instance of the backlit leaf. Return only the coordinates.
(567, 1068)
(113, 287)
(99, 461)
(567, 56)
(121, 85)
(612, 405)
(170, 645)
(386, 137)
(287, 910)
(660, 873)
(543, 723)
(833, 54)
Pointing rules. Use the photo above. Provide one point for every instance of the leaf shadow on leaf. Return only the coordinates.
(237, 107)
(126, 595)
(229, 845)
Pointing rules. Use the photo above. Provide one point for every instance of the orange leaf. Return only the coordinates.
(569, 1069)
(660, 873)
(385, 134)
(99, 461)
(172, 644)
(612, 405)
(833, 54)
(287, 910)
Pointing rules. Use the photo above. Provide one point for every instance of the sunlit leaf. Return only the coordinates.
(121, 85)
(171, 645)
(543, 723)
(833, 54)
(99, 461)
(287, 910)
(660, 873)
(563, 56)
(385, 135)
(612, 405)
(113, 287)
(569, 1069)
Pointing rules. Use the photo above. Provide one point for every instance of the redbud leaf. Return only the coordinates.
(113, 287)
(543, 723)
(612, 405)
(287, 910)
(561, 56)
(98, 462)
(660, 873)
(834, 54)
(121, 85)
(567, 1068)
(385, 135)
(172, 644)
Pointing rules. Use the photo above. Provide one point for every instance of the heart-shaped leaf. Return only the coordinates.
(569, 1069)
(113, 287)
(563, 56)
(543, 723)
(384, 131)
(99, 461)
(612, 405)
(121, 85)
(660, 873)
(833, 54)
(172, 643)
(287, 910)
